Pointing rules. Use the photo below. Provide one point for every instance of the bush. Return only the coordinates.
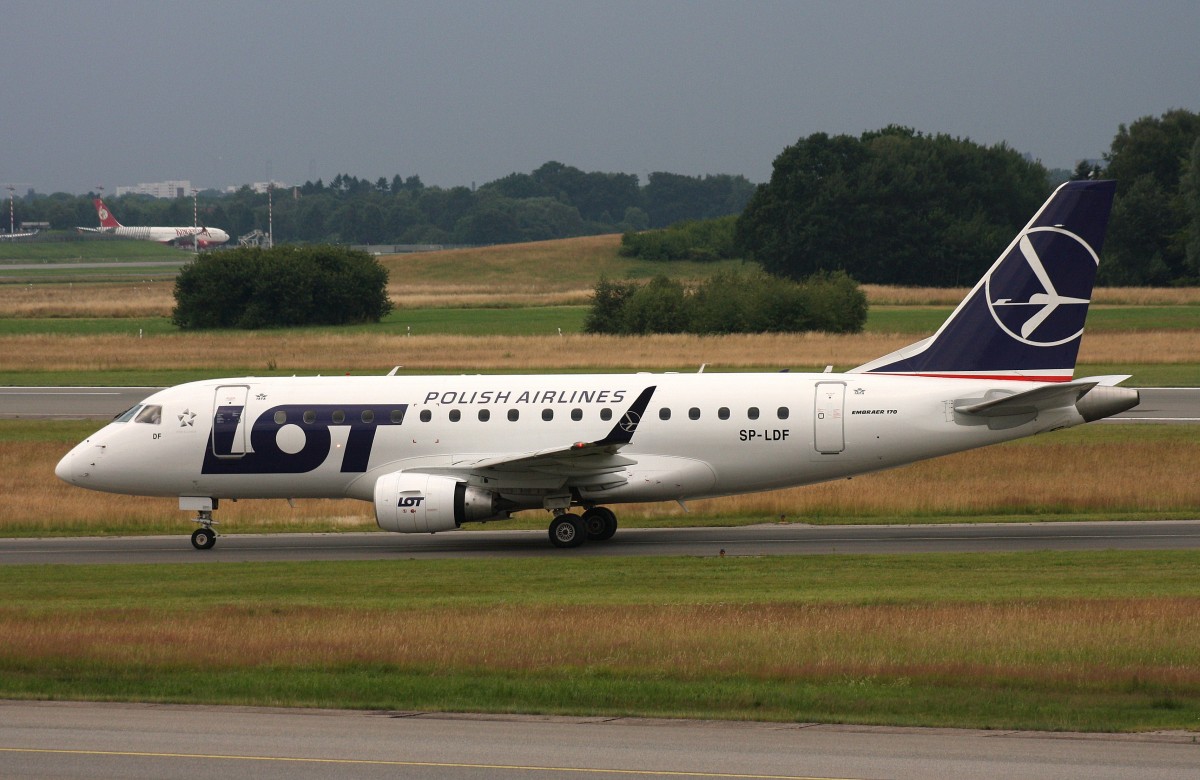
(701, 240)
(280, 287)
(729, 302)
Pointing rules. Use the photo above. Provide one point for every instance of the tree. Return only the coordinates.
(280, 287)
(1189, 190)
(1150, 228)
(893, 206)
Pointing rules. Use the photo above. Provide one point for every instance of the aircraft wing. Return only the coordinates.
(559, 464)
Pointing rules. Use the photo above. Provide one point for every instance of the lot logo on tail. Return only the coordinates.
(1046, 308)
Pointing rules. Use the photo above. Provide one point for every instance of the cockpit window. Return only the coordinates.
(128, 414)
(151, 415)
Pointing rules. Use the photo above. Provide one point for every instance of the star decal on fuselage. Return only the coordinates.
(187, 419)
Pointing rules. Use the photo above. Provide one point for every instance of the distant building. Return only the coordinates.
(159, 189)
(260, 186)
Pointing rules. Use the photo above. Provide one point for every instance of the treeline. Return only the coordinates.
(745, 301)
(554, 201)
(896, 206)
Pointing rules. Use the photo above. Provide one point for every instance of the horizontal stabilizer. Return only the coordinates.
(1033, 401)
(1094, 398)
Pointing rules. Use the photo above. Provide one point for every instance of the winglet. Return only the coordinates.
(622, 432)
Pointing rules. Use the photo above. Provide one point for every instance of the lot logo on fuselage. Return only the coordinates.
(1039, 293)
(294, 439)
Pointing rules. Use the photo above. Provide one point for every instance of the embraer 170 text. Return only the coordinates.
(434, 452)
(191, 236)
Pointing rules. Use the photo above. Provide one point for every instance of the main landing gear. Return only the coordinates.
(204, 537)
(598, 524)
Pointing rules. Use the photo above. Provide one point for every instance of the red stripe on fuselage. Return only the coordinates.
(999, 377)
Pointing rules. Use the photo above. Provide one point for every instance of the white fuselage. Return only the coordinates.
(701, 434)
(171, 235)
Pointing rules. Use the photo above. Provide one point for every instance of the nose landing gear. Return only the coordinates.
(204, 537)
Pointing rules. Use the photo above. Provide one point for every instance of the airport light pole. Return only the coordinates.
(195, 223)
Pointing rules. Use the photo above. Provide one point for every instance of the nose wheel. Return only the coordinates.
(204, 537)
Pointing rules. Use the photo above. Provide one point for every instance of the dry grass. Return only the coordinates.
(1062, 642)
(141, 299)
(1133, 476)
(554, 265)
(368, 352)
(453, 296)
(551, 273)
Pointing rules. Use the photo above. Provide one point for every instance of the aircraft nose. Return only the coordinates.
(65, 470)
(73, 468)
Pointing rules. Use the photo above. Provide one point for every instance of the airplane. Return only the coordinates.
(435, 452)
(10, 236)
(172, 236)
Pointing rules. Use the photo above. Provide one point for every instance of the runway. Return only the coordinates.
(1159, 404)
(757, 540)
(101, 740)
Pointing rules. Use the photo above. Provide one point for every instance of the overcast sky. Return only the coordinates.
(115, 92)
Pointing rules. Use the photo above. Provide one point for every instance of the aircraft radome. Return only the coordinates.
(434, 452)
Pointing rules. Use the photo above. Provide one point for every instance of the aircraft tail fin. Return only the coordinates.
(107, 220)
(1024, 319)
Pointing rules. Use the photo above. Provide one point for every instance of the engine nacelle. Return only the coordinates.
(426, 503)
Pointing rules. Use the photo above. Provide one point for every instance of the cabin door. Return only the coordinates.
(829, 433)
(229, 430)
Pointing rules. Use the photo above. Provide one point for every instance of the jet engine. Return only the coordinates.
(426, 503)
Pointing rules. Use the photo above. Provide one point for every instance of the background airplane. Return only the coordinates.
(434, 452)
(189, 236)
(9, 236)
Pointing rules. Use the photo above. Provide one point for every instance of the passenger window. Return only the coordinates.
(368, 416)
(455, 415)
(280, 417)
(664, 413)
(128, 414)
(310, 417)
(783, 412)
(397, 416)
(576, 414)
(752, 412)
(513, 415)
(723, 413)
(547, 414)
(606, 414)
(484, 415)
(426, 415)
(694, 413)
(339, 417)
(151, 415)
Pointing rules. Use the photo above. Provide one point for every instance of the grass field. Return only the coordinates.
(1074, 641)
(87, 250)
